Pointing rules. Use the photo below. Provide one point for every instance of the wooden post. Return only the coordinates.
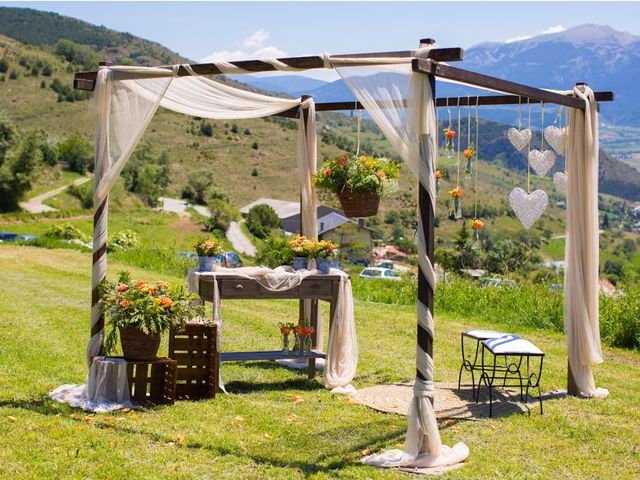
(100, 219)
(426, 222)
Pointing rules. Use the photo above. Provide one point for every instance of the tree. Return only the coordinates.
(17, 171)
(261, 220)
(4, 65)
(254, 145)
(274, 251)
(76, 153)
(147, 176)
(254, 172)
(222, 214)
(206, 129)
(197, 185)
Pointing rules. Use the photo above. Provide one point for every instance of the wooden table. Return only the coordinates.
(313, 288)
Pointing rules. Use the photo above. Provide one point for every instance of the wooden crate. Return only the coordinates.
(152, 381)
(195, 349)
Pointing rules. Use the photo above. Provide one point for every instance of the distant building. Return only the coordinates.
(354, 237)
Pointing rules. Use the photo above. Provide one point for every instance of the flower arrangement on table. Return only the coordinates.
(359, 182)
(139, 312)
(321, 250)
(207, 249)
(456, 202)
(303, 339)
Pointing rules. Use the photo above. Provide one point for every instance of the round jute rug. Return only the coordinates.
(450, 402)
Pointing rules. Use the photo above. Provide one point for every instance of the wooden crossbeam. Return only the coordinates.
(482, 100)
(492, 83)
(85, 80)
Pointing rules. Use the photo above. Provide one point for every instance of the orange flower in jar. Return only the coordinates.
(477, 224)
(438, 174)
(449, 133)
(285, 330)
(299, 329)
(468, 153)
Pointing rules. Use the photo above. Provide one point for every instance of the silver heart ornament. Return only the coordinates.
(560, 181)
(519, 138)
(528, 206)
(542, 161)
(555, 137)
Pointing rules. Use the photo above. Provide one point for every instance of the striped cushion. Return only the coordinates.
(511, 345)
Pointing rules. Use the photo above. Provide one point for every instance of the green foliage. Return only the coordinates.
(83, 192)
(123, 240)
(274, 251)
(198, 182)
(254, 172)
(147, 175)
(151, 308)
(261, 220)
(4, 65)
(206, 129)
(208, 247)
(13, 75)
(222, 214)
(18, 166)
(77, 153)
(358, 174)
(66, 93)
(81, 55)
(255, 145)
(65, 232)
(158, 259)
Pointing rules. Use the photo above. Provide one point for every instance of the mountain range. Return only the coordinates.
(604, 58)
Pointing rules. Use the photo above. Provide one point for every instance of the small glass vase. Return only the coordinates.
(468, 169)
(297, 346)
(456, 208)
(307, 344)
(450, 147)
(438, 183)
(285, 344)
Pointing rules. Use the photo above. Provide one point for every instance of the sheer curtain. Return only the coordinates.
(411, 129)
(581, 255)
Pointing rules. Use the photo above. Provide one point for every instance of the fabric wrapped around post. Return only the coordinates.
(582, 249)
(411, 129)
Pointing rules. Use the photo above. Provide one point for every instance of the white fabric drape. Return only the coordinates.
(342, 351)
(411, 129)
(582, 244)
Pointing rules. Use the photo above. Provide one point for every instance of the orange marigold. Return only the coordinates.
(167, 302)
(380, 175)
(123, 288)
(327, 171)
(125, 303)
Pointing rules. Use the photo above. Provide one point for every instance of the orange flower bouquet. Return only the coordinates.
(469, 153)
(285, 330)
(449, 135)
(140, 311)
(456, 202)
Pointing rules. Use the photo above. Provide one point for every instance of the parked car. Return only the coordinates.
(229, 260)
(385, 264)
(497, 282)
(380, 273)
(8, 237)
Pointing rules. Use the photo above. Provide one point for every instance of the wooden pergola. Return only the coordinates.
(511, 93)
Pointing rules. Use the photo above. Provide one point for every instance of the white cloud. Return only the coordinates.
(546, 31)
(554, 29)
(252, 47)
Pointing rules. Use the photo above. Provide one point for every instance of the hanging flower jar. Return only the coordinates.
(456, 202)
(285, 330)
(477, 225)
(360, 182)
(308, 340)
(468, 153)
(298, 347)
(449, 135)
(438, 176)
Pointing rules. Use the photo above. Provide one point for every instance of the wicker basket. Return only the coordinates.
(359, 204)
(137, 345)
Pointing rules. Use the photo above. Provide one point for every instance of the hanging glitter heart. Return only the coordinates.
(555, 138)
(519, 138)
(560, 181)
(542, 161)
(528, 206)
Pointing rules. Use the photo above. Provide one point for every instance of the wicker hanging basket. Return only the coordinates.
(359, 204)
(137, 345)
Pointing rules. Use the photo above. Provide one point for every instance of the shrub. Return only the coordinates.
(222, 214)
(206, 129)
(83, 192)
(4, 65)
(77, 153)
(66, 232)
(254, 172)
(254, 145)
(123, 240)
(261, 220)
(17, 170)
(13, 75)
(197, 185)
(274, 251)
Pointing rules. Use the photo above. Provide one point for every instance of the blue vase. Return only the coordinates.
(205, 264)
(324, 265)
(300, 263)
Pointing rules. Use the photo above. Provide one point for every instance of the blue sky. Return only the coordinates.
(236, 30)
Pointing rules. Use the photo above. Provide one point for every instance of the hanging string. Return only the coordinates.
(529, 150)
(558, 116)
(542, 127)
(449, 111)
(437, 140)
(458, 161)
(468, 121)
(475, 207)
(519, 112)
(564, 138)
(358, 126)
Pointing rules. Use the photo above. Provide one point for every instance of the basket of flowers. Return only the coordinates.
(359, 182)
(139, 312)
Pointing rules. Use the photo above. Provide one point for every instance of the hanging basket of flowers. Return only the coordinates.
(359, 182)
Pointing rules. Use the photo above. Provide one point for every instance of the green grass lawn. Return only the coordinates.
(258, 431)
